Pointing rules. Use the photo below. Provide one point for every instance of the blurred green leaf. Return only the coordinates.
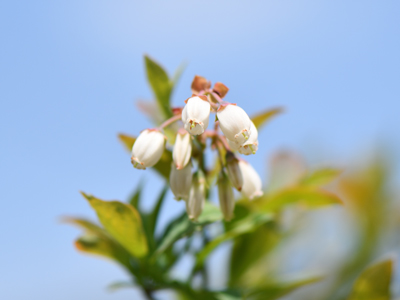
(249, 224)
(97, 241)
(121, 285)
(150, 220)
(164, 164)
(229, 295)
(272, 291)
(321, 177)
(160, 84)
(134, 200)
(374, 282)
(306, 196)
(182, 226)
(123, 222)
(264, 117)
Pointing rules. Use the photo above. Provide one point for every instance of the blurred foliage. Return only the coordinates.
(259, 232)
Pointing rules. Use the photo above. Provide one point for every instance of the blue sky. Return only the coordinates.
(72, 70)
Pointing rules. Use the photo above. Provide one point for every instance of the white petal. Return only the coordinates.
(182, 149)
(234, 172)
(147, 149)
(194, 206)
(195, 115)
(234, 123)
(180, 182)
(226, 197)
(252, 185)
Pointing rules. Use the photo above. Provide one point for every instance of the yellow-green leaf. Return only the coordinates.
(97, 241)
(374, 282)
(264, 117)
(122, 222)
(160, 84)
(303, 195)
(320, 177)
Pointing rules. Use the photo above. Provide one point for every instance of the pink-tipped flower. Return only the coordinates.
(252, 185)
(248, 147)
(194, 206)
(234, 123)
(147, 149)
(226, 197)
(233, 170)
(182, 149)
(196, 114)
(181, 181)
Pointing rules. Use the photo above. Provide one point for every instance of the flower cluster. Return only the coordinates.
(189, 176)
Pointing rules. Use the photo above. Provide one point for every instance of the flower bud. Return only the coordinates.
(226, 197)
(181, 181)
(252, 186)
(194, 206)
(182, 149)
(233, 170)
(147, 149)
(195, 114)
(234, 123)
(200, 84)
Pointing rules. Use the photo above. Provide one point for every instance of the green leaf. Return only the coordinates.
(272, 291)
(321, 177)
(160, 84)
(121, 285)
(374, 282)
(163, 166)
(229, 295)
(134, 200)
(150, 220)
(97, 241)
(264, 117)
(182, 226)
(307, 196)
(122, 222)
(249, 224)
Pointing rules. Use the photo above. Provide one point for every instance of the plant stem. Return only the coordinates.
(170, 121)
(149, 294)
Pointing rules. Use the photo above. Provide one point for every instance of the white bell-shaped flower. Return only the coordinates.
(252, 185)
(147, 149)
(233, 170)
(182, 149)
(194, 206)
(234, 123)
(196, 114)
(248, 147)
(226, 197)
(181, 181)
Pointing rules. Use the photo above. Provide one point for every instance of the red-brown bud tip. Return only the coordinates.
(200, 84)
(221, 89)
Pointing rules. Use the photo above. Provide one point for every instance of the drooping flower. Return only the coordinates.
(147, 149)
(181, 181)
(226, 197)
(233, 170)
(196, 114)
(194, 205)
(182, 149)
(250, 146)
(252, 185)
(234, 123)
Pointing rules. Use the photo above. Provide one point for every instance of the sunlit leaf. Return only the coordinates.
(97, 241)
(127, 140)
(122, 222)
(182, 226)
(249, 224)
(272, 291)
(163, 166)
(264, 117)
(374, 282)
(229, 295)
(321, 177)
(160, 84)
(306, 196)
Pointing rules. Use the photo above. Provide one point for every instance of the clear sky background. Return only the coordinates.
(70, 72)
